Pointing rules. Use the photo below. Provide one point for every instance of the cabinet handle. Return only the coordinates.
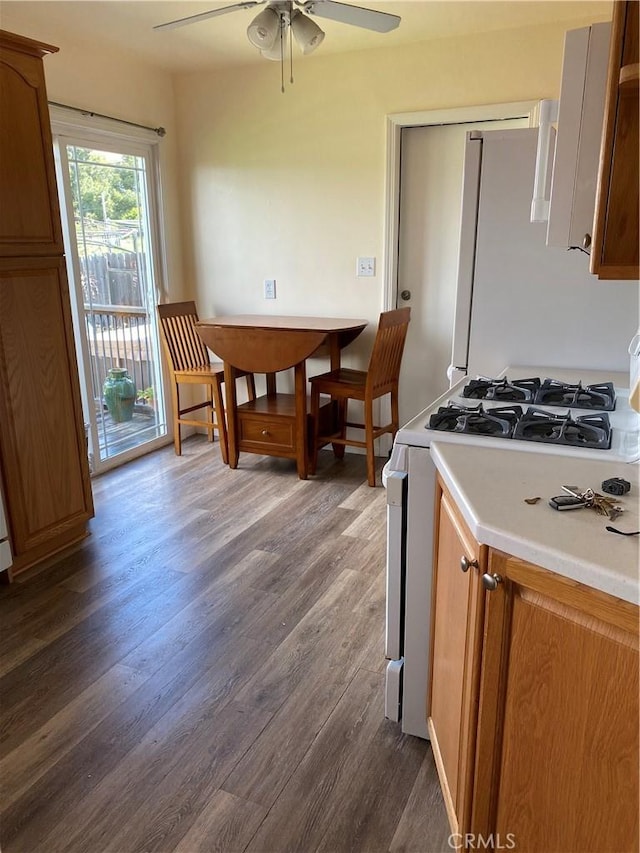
(466, 564)
(265, 432)
(490, 582)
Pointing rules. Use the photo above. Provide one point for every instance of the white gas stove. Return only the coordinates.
(537, 409)
(578, 413)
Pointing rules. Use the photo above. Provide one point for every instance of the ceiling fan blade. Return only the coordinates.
(370, 19)
(193, 19)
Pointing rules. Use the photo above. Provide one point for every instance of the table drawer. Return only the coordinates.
(270, 433)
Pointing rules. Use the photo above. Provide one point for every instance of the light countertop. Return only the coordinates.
(490, 487)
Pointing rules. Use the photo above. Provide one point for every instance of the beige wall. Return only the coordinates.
(259, 184)
(292, 186)
(116, 84)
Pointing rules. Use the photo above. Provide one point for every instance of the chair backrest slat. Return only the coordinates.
(183, 346)
(386, 356)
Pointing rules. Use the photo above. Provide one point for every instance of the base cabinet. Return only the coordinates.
(42, 443)
(456, 638)
(551, 731)
(557, 748)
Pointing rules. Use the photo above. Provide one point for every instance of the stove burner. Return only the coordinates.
(502, 390)
(555, 393)
(592, 431)
(474, 420)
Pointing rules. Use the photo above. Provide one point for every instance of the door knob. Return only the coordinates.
(405, 295)
(490, 582)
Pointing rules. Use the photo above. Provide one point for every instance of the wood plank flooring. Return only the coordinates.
(205, 672)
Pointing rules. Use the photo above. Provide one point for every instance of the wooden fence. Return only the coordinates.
(112, 278)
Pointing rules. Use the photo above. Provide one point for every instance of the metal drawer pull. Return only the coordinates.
(466, 564)
(490, 582)
(265, 432)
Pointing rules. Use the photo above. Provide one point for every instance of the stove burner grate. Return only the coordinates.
(475, 420)
(502, 390)
(592, 431)
(555, 393)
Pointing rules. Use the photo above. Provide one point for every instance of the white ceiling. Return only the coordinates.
(221, 41)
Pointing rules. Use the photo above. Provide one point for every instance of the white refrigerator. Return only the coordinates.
(518, 300)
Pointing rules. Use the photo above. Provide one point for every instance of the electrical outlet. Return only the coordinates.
(365, 267)
(269, 288)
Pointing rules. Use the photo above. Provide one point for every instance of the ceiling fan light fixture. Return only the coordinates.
(263, 30)
(306, 32)
(276, 51)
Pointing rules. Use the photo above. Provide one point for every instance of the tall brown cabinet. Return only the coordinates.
(43, 456)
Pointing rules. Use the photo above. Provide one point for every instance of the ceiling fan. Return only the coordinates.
(268, 30)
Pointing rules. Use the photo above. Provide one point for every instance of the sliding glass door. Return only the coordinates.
(111, 219)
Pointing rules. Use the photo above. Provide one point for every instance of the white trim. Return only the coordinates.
(76, 129)
(395, 123)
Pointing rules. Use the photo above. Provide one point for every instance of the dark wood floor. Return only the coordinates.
(206, 672)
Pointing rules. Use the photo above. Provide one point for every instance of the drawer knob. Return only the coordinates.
(466, 564)
(490, 582)
(265, 432)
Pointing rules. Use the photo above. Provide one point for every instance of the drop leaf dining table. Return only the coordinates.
(275, 424)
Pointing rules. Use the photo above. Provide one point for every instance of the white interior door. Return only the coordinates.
(432, 159)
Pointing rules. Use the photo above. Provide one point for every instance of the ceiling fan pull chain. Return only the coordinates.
(281, 57)
(291, 55)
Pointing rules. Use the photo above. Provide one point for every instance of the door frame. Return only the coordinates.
(79, 128)
(396, 122)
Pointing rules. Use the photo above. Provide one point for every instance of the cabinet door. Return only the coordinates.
(557, 748)
(42, 445)
(456, 645)
(29, 213)
(616, 251)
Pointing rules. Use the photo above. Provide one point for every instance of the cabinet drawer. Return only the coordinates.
(268, 432)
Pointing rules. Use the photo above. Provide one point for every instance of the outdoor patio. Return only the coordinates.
(119, 437)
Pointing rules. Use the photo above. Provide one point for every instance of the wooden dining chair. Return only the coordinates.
(189, 363)
(380, 378)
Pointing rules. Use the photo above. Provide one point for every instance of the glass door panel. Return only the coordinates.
(116, 294)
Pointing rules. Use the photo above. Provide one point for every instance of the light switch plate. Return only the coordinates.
(365, 267)
(269, 288)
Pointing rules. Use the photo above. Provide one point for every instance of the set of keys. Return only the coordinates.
(577, 499)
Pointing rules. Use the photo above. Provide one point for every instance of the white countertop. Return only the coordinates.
(490, 487)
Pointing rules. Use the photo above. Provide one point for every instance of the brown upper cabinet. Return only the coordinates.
(29, 213)
(615, 249)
